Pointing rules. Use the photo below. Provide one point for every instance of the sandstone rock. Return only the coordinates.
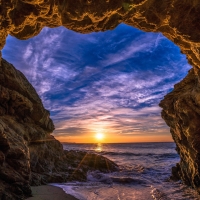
(18, 99)
(177, 20)
(2, 158)
(181, 111)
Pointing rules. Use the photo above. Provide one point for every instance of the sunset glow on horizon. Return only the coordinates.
(112, 138)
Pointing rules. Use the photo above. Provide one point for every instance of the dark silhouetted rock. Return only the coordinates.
(18, 100)
(82, 162)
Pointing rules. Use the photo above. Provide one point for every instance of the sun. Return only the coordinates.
(99, 136)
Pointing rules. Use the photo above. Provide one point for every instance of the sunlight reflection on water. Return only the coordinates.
(144, 173)
(98, 147)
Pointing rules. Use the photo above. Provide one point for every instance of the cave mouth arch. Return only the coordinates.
(178, 21)
(117, 77)
(29, 56)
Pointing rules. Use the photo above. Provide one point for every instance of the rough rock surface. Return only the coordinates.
(181, 111)
(177, 20)
(29, 155)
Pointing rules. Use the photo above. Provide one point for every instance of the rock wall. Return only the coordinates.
(29, 155)
(23, 120)
(181, 111)
(177, 20)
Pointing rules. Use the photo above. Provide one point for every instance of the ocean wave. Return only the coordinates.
(128, 180)
(158, 195)
(97, 176)
(164, 155)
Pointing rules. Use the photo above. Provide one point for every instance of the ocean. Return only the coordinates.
(145, 170)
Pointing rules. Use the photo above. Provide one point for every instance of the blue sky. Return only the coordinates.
(108, 82)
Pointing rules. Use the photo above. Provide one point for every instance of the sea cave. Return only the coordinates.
(25, 124)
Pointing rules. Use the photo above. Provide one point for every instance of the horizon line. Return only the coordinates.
(114, 142)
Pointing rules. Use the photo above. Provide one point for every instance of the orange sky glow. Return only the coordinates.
(112, 138)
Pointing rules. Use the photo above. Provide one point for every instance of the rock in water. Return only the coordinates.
(29, 155)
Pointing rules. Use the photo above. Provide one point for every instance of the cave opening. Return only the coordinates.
(109, 82)
(178, 21)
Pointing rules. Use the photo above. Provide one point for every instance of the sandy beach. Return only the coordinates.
(47, 192)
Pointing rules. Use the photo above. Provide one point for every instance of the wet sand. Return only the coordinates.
(47, 192)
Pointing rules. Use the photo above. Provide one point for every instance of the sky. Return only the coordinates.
(106, 82)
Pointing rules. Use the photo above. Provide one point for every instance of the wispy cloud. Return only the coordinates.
(110, 80)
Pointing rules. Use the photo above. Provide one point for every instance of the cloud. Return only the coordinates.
(110, 80)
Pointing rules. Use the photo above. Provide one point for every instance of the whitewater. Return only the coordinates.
(145, 170)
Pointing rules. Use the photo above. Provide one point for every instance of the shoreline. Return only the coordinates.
(49, 192)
